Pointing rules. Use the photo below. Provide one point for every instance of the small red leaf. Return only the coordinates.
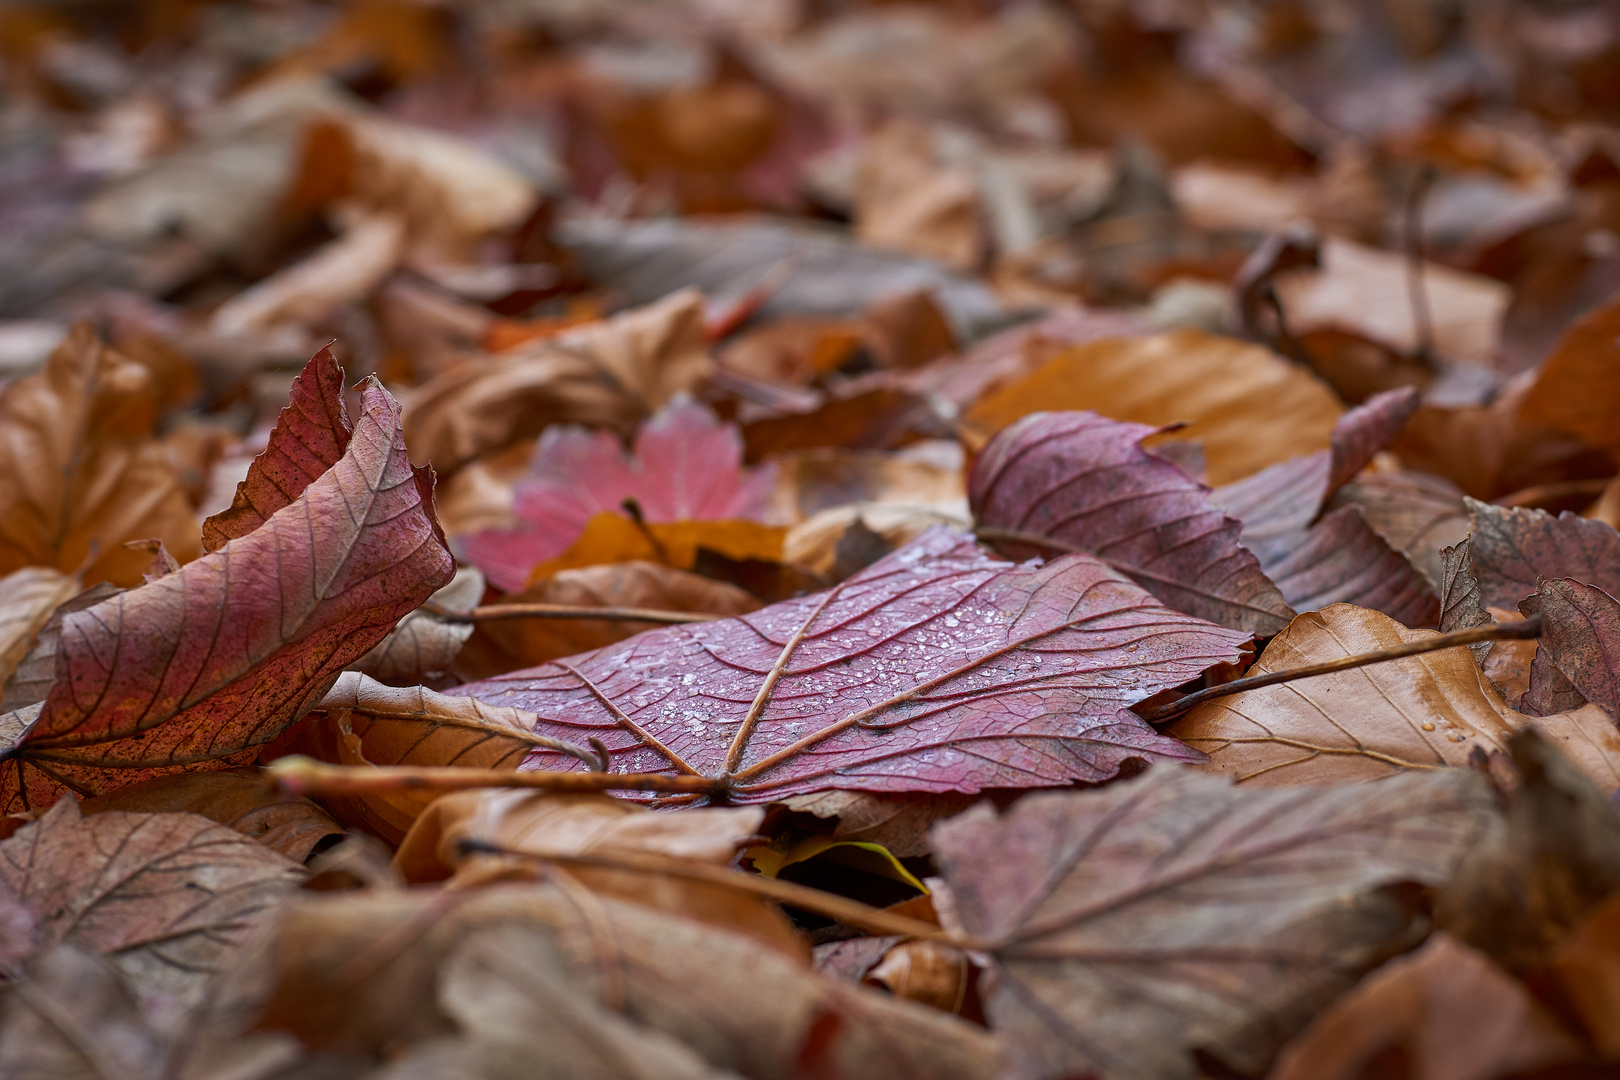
(937, 668)
(309, 437)
(206, 663)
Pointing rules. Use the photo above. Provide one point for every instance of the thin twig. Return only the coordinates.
(632, 508)
(853, 912)
(1419, 297)
(299, 775)
(1521, 628)
(492, 612)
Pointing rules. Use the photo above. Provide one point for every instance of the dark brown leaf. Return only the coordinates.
(1509, 549)
(1460, 604)
(1581, 639)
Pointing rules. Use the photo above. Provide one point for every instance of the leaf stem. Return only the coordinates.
(299, 775)
(1520, 628)
(490, 612)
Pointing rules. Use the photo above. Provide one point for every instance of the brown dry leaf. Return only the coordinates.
(1577, 389)
(1367, 292)
(810, 481)
(906, 200)
(27, 599)
(478, 495)
(81, 471)
(652, 352)
(614, 538)
(1579, 644)
(1445, 1012)
(1419, 712)
(1417, 513)
(1137, 923)
(36, 672)
(814, 544)
(344, 271)
(1587, 967)
(636, 584)
(168, 898)
(861, 416)
(1540, 867)
(736, 1005)
(1460, 604)
(423, 645)
(1249, 407)
(363, 722)
(70, 1016)
(541, 824)
(1588, 739)
(927, 972)
(239, 798)
(896, 821)
(1511, 549)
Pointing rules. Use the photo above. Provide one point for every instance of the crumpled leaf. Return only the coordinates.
(1580, 639)
(423, 645)
(1419, 712)
(237, 798)
(685, 465)
(1319, 556)
(1445, 1011)
(27, 598)
(636, 584)
(1088, 483)
(71, 1016)
(1248, 406)
(167, 898)
(199, 666)
(936, 668)
(1510, 548)
(362, 722)
(309, 437)
(747, 1009)
(1540, 868)
(80, 469)
(1136, 923)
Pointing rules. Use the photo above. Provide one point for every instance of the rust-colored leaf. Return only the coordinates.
(309, 437)
(1577, 389)
(1137, 923)
(168, 898)
(1419, 712)
(198, 667)
(937, 668)
(1086, 482)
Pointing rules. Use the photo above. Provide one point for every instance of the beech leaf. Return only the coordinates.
(200, 666)
(1141, 921)
(1580, 639)
(1087, 482)
(1417, 712)
(937, 668)
(309, 437)
(168, 898)
(1511, 548)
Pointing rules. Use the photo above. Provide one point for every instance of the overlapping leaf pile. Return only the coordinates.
(809, 540)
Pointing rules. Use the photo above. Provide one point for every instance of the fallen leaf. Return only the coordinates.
(815, 544)
(635, 584)
(1086, 482)
(309, 437)
(36, 673)
(743, 1008)
(926, 972)
(167, 898)
(810, 481)
(1460, 604)
(653, 352)
(857, 417)
(1445, 1011)
(1587, 967)
(936, 669)
(907, 201)
(533, 824)
(423, 645)
(1588, 739)
(27, 599)
(1135, 924)
(362, 722)
(1509, 549)
(1580, 639)
(1419, 712)
(614, 538)
(70, 1015)
(310, 591)
(1368, 292)
(82, 470)
(1577, 389)
(1416, 513)
(1248, 406)
(1539, 868)
(238, 798)
(685, 465)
